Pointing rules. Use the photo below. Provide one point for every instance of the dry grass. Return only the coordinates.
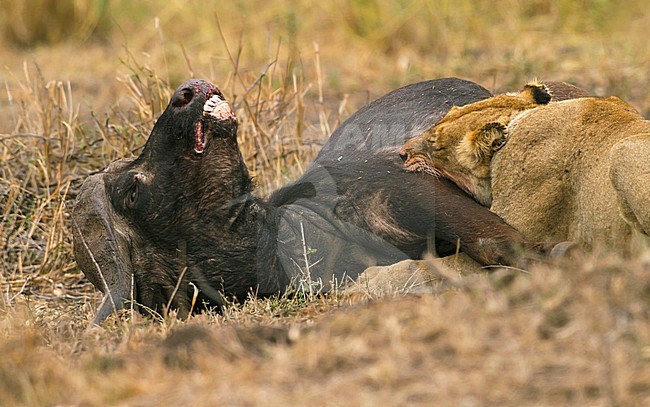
(570, 334)
(566, 335)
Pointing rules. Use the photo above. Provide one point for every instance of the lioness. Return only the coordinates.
(461, 145)
(573, 170)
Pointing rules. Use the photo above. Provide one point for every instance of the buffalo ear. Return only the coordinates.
(488, 139)
(537, 92)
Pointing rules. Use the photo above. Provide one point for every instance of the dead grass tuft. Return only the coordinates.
(569, 334)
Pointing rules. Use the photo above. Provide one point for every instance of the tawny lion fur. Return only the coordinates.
(574, 170)
(461, 145)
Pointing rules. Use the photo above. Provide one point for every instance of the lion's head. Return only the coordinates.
(461, 145)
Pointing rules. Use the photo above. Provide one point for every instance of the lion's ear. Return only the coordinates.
(537, 92)
(488, 139)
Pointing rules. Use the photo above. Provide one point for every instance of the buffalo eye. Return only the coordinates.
(132, 195)
(434, 145)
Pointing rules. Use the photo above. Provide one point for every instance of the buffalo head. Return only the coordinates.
(143, 224)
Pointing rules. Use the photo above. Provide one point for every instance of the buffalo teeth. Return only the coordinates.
(217, 108)
(211, 103)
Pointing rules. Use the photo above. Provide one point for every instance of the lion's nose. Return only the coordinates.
(403, 154)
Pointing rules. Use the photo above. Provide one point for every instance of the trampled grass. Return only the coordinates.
(87, 89)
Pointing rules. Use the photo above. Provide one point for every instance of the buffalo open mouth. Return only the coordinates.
(215, 108)
(199, 138)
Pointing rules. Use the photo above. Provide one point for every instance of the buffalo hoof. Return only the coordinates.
(564, 250)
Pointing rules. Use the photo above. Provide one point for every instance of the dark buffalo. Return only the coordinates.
(182, 217)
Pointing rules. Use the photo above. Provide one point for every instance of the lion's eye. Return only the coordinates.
(435, 146)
